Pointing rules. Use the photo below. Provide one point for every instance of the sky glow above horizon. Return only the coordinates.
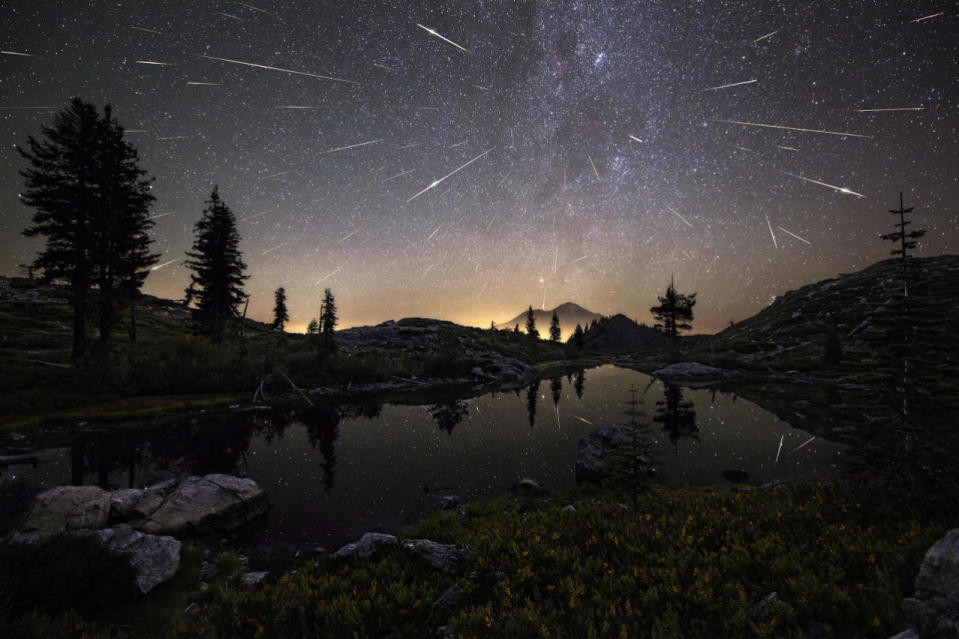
(465, 160)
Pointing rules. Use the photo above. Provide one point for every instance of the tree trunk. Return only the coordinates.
(133, 318)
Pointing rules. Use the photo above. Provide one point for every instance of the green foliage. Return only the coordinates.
(679, 562)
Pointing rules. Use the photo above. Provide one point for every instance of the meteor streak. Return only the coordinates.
(492, 219)
(775, 243)
(793, 128)
(351, 146)
(688, 256)
(503, 179)
(583, 419)
(779, 450)
(272, 248)
(158, 216)
(805, 443)
(269, 68)
(481, 88)
(787, 148)
(154, 63)
(31, 108)
(145, 29)
(592, 164)
(328, 275)
(229, 15)
(435, 231)
(252, 8)
(676, 213)
(633, 137)
(431, 32)
(205, 84)
(794, 235)
(579, 259)
(436, 183)
(267, 177)
(398, 175)
(841, 189)
(350, 235)
(726, 86)
(768, 35)
(382, 66)
(408, 146)
(458, 144)
(430, 268)
(890, 109)
(935, 15)
(175, 137)
(25, 55)
(296, 106)
(250, 217)
(159, 266)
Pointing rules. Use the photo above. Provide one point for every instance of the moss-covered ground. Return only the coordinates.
(676, 562)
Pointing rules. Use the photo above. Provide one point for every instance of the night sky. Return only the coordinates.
(584, 143)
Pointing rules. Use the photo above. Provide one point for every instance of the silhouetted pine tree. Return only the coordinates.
(280, 314)
(554, 332)
(218, 267)
(92, 205)
(577, 338)
(328, 322)
(531, 324)
(674, 312)
(313, 328)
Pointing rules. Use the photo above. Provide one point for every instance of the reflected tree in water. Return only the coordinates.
(677, 416)
(449, 414)
(532, 392)
(556, 389)
(322, 430)
(580, 383)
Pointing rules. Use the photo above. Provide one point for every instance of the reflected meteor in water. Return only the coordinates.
(436, 183)
(794, 128)
(269, 68)
(779, 450)
(433, 33)
(796, 449)
(841, 189)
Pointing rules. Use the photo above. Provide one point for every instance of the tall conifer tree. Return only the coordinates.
(218, 267)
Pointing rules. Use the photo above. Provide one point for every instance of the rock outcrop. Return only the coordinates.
(154, 558)
(445, 557)
(936, 600)
(693, 374)
(203, 504)
(366, 545)
(63, 509)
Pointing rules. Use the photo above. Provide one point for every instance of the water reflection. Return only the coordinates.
(677, 416)
(335, 471)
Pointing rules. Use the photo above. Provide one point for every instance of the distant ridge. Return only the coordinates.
(569, 314)
(618, 335)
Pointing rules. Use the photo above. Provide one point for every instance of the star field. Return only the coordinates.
(464, 160)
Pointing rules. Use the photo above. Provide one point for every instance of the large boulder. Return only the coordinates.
(592, 457)
(154, 558)
(204, 504)
(937, 588)
(366, 545)
(445, 557)
(692, 374)
(63, 509)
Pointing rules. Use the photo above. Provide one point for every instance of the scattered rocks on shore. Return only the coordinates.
(594, 451)
(140, 524)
